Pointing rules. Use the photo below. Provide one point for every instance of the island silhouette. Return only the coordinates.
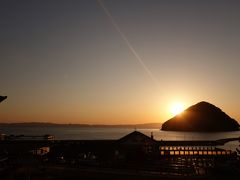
(201, 117)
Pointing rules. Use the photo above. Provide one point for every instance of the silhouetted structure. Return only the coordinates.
(2, 98)
(134, 155)
(201, 117)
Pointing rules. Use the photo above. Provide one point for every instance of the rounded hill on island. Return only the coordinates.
(201, 117)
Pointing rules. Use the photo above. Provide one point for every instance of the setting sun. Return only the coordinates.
(176, 108)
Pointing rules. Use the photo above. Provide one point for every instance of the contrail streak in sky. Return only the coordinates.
(147, 70)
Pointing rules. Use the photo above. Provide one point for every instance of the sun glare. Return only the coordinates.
(176, 108)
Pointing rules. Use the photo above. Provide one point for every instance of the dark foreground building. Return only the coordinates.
(132, 156)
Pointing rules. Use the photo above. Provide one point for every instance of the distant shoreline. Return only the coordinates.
(31, 124)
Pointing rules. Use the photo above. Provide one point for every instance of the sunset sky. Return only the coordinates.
(76, 62)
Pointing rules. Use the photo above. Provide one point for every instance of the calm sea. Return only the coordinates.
(75, 133)
(93, 133)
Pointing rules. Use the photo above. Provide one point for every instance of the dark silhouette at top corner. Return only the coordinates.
(2, 98)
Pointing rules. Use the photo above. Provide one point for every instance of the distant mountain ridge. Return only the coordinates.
(201, 117)
(45, 124)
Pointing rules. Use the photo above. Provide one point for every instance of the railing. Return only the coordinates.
(193, 151)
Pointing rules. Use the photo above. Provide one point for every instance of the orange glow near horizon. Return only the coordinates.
(137, 110)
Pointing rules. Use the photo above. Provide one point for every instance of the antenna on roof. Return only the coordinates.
(151, 135)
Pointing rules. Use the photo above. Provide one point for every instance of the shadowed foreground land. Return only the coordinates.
(99, 174)
(132, 156)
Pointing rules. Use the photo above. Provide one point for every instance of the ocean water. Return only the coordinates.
(93, 133)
